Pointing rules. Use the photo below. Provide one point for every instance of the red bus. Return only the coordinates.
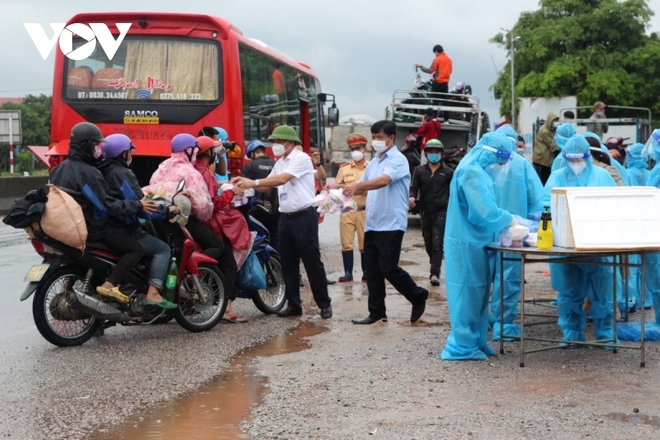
(177, 73)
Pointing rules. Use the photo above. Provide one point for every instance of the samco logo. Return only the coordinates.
(141, 117)
(91, 33)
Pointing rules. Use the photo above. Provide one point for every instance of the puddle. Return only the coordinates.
(636, 419)
(214, 411)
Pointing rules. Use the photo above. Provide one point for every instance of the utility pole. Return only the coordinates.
(512, 40)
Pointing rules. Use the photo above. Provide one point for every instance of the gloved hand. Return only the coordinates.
(220, 151)
(536, 216)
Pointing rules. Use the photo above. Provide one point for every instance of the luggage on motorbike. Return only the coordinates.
(27, 210)
(252, 276)
(62, 220)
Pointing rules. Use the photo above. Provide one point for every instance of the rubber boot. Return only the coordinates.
(364, 267)
(347, 256)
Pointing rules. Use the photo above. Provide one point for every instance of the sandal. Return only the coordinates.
(234, 319)
(434, 280)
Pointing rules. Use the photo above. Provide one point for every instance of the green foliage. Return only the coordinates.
(25, 161)
(35, 118)
(594, 49)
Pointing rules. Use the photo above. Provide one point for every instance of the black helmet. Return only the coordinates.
(84, 132)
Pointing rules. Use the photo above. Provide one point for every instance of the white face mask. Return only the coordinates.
(278, 150)
(98, 151)
(577, 166)
(379, 146)
(357, 155)
(555, 124)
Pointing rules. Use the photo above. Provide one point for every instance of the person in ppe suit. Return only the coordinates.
(638, 175)
(473, 219)
(562, 135)
(652, 261)
(575, 282)
(520, 193)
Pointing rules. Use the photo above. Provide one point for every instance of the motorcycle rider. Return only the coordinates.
(81, 179)
(227, 224)
(179, 167)
(123, 184)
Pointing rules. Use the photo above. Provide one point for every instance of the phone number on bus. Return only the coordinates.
(124, 95)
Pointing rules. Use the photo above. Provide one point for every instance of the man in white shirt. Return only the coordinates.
(293, 175)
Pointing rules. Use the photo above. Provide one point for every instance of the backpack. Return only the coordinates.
(27, 210)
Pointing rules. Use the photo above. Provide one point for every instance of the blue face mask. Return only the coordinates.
(433, 157)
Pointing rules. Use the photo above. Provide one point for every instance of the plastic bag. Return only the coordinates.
(334, 202)
(632, 331)
(252, 275)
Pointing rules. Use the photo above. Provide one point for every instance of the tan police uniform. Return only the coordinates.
(351, 223)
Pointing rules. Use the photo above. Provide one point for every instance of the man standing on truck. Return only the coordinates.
(599, 128)
(545, 148)
(440, 69)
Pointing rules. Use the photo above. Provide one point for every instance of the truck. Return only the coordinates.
(463, 122)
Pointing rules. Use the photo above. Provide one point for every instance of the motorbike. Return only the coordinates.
(67, 311)
(411, 150)
(272, 299)
(617, 148)
(452, 156)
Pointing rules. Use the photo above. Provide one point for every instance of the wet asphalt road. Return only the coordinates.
(51, 392)
(66, 393)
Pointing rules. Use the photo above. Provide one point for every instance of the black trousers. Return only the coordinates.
(382, 250)
(218, 249)
(299, 239)
(543, 172)
(440, 87)
(128, 249)
(433, 231)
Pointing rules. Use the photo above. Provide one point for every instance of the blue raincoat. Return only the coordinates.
(574, 282)
(473, 218)
(521, 193)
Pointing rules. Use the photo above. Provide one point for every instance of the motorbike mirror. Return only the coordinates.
(178, 189)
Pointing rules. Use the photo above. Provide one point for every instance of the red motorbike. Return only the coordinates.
(67, 310)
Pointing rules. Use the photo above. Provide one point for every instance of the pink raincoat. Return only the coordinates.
(171, 172)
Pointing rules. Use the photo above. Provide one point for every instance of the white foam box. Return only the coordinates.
(601, 218)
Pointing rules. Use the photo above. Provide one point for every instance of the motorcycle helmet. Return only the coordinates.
(253, 145)
(205, 143)
(222, 134)
(85, 132)
(116, 144)
(434, 143)
(182, 141)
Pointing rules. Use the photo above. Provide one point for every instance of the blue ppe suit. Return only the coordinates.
(574, 282)
(473, 218)
(652, 261)
(562, 135)
(520, 193)
(638, 174)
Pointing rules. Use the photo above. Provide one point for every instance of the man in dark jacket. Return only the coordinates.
(259, 168)
(124, 186)
(79, 177)
(432, 181)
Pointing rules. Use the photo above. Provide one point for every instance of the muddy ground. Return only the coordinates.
(387, 381)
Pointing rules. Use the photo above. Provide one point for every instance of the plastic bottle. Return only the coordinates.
(170, 281)
(544, 237)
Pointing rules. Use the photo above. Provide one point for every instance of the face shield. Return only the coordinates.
(649, 147)
(498, 171)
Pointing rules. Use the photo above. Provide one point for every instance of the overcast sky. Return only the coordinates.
(361, 49)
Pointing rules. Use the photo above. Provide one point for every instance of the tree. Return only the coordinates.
(597, 50)
(35, 118)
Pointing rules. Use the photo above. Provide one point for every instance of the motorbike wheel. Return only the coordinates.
(194, 314)
(272, 299)
(63, 333)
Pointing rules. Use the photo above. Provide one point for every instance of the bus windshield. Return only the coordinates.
(147, 68)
